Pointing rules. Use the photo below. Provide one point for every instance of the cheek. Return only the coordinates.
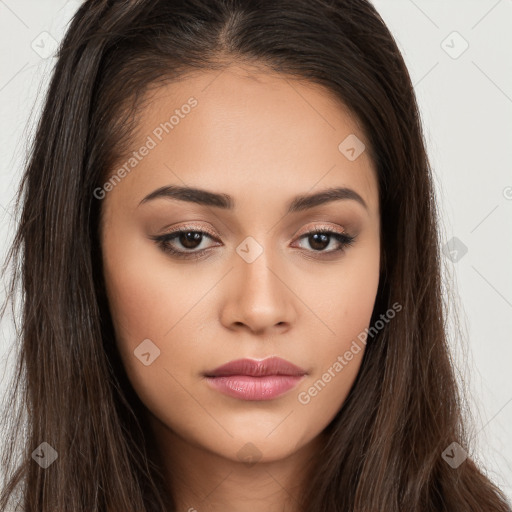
(150, 299)
(344, 306)
(341, 301)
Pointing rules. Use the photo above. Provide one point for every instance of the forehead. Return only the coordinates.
(243, 131)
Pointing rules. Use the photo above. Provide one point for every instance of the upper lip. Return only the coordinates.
(255, 368)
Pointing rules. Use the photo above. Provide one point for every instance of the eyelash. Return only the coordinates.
(163, 241)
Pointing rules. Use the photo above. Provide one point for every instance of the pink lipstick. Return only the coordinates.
(250, 379)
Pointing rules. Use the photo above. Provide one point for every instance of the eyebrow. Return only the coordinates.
(226, 202)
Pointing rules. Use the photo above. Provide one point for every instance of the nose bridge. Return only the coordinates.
(260, 297)
(258, 276)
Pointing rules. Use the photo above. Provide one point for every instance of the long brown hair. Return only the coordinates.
(385, 445)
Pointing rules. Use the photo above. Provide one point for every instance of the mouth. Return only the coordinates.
(250, 379)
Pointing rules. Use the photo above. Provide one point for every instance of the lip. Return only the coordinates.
(250, 379)
(255, 368)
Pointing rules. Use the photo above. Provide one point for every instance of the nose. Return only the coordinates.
(259, 298)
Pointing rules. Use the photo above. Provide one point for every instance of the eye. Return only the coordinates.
(191, 239)
(320, 239)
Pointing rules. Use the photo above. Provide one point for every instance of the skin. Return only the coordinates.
(263, 139)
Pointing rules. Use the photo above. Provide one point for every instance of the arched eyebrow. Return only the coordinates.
(226, 202)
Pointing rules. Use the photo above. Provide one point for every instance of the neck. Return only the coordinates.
(203, 481)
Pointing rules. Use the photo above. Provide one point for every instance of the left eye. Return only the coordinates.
(318, 239)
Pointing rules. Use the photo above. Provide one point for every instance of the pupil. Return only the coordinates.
(322, 244)
(190, 239)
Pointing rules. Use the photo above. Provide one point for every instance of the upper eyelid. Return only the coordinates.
(197, 229)
(212, 234)
(323, 227)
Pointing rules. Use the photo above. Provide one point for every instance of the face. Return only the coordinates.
(248, 277)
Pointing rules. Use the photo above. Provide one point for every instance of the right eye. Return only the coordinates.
(189, 239)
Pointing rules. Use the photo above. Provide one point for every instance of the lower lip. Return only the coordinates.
(254, 388)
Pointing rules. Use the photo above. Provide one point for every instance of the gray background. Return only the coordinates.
(465, 96)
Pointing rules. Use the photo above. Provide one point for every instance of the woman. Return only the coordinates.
(231, 276)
